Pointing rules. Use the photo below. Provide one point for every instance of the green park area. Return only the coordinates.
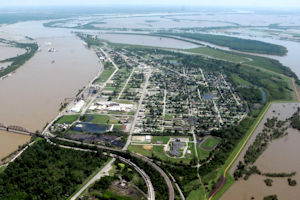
(209, 143)
(67, 119)
(223, 55)
(100, 119)
(107, 72)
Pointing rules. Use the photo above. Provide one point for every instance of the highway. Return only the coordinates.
(151, 193)
(143, 158)
(106, 168)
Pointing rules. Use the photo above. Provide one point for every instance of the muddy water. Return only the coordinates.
(282, 155)
(32, 96)
(10, 142)
(147, 41)
(8, 52)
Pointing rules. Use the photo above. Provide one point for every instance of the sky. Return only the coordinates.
(227, 3)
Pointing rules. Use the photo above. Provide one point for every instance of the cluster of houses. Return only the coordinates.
(180, 99)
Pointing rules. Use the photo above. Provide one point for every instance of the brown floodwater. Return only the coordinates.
(8, 52)
(10, 142)
(31, 97)
(282, 155)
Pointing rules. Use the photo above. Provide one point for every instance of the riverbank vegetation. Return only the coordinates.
(271, 197)
(90, 40)
(273, 129)
(235, 43)
(19, 60)
(295, 120)
(46, 171)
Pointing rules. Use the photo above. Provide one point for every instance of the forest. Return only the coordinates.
(46, 171)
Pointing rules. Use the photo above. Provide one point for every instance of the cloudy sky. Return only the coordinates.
(244, 3)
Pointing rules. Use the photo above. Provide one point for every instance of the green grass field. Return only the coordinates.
(196, 194)
(67, 119)
(2, 169)
(123, 101)
(109, 88)
(165, 139)
(99, 119)
(209, 143)
(104, 76)
(168, 117)
(239, 81)
(202, 154)
(158, 151)
(214, 53)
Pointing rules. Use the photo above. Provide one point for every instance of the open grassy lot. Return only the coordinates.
(123, 101)
(164, 139)
(109, 88)
(158, 152)
(195, 194)
(104, 76)
(239, 81)
(2, 169)
(67, 119)
(140, 150)
(209, 143)
(202, 153)
(214, 53)
(168, 117)
(100, 119)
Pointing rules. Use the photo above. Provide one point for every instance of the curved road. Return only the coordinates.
(151, 193)
(145, 159)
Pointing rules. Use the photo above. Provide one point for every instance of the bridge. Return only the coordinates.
(15, 129)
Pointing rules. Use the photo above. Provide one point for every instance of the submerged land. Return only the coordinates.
(154, 108)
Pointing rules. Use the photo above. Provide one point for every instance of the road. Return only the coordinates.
(151, 193)
(164, 110)
(138, 156)
(104, 84)
(137, 111)
(126, 83)
(106, 168)
(98, 176)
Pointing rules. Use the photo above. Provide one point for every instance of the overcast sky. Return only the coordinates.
(244, 3)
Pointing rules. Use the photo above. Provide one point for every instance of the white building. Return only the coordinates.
(77, 107)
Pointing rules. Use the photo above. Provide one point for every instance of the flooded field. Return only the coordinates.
(31, 97)
(282, 155)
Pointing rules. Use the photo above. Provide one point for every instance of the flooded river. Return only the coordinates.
(282, 155)
(31, 97)
(10, 142)
(147, 41)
